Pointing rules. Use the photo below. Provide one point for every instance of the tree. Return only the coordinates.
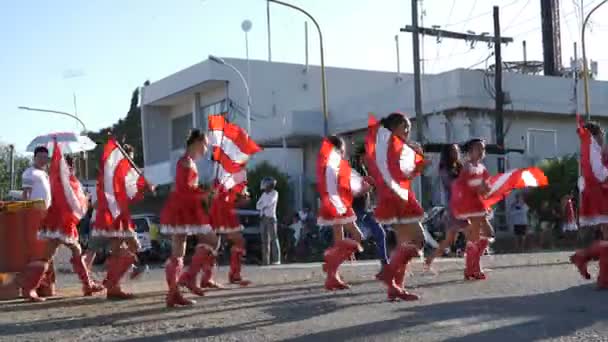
(254, 178)
(562, 174)
(21, 163)
(126, 131)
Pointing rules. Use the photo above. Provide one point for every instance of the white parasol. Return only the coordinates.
(68, 142)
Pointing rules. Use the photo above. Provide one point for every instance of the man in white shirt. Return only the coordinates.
(35, 180)
(36, 185)
(518, 217)
(267, 205)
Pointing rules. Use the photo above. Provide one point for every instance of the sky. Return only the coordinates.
(100, 51)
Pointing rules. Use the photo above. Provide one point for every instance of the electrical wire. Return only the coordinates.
(510, 24)
(465, 21)
(482, 61)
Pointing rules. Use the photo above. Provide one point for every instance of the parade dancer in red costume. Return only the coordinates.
(450, 166)
(337, 183)
(232, 148)
(467, 203)
(394, 161)
(183, 216)
(68, 206)
(593, 207)
(119, 184)
(225, 221)
(474, 193)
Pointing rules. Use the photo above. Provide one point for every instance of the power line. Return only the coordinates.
(483, 14)
(482, 61)
(517, 16)
(536, 27)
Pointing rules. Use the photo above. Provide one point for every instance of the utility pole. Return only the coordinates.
(434, 32)
(11, 165)
(500, 138)
(417, 90)
(497, 40)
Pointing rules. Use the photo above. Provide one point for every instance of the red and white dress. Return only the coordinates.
(337, 183)
(224, 219)
(68, 206)
(393, 164)
(119, 184)
(593, 181)
(466, 202)
(183, 213)
(570, 224)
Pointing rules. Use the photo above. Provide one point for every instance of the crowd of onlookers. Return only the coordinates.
(553, 224)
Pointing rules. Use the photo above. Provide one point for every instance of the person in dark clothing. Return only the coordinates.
(365, 215)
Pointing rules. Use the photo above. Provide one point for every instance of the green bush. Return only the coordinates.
(562, 174)
(254, 179)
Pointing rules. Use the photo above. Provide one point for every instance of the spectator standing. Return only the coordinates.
(267, 205)
(518, 216)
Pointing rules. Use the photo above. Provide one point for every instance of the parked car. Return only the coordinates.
(151, 250)
(148, 251)
(250, 219)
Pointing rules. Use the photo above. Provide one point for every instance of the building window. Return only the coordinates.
(210, 109)
(542, 143)
(180, 127)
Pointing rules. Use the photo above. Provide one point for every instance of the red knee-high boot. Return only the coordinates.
(172, 271)
(334, 257)
(30, 279)
(602, 278)
(207, 281)
(89, 287)
(47, 284)
(482, 245)
(471, 262)
(582, 257)
(234, 276)
(118, 266)
(394, 272)
(188, 278)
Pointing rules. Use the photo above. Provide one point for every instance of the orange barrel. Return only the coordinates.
(19, 223)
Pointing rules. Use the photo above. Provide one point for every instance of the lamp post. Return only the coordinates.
(585, 67)
(323, 79)
(221, 61)
(84, 127)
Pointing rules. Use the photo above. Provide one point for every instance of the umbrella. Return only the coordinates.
(68, 142)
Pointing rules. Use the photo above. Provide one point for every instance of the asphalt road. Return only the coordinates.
(528, 297)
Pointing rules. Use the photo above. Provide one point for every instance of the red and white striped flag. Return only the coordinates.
(66, 191)
(391, 161)
(231, 149)
(337, 182)
(503, 183)
(118, 184)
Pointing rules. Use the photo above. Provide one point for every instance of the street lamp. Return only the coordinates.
(84, 127)
(323, 83)
(585, 68)
(221, 61)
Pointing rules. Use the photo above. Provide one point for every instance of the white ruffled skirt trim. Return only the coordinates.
(56, 235)
(400, 220)
(470, 215)
(337, 221)
(186, 229)
(229, 230)
(586, 221)
(126, 234)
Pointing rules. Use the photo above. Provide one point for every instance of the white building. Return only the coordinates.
(287, 105)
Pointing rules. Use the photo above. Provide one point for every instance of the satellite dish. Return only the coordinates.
(246, 25)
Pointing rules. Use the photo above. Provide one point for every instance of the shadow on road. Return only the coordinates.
(548, 315)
